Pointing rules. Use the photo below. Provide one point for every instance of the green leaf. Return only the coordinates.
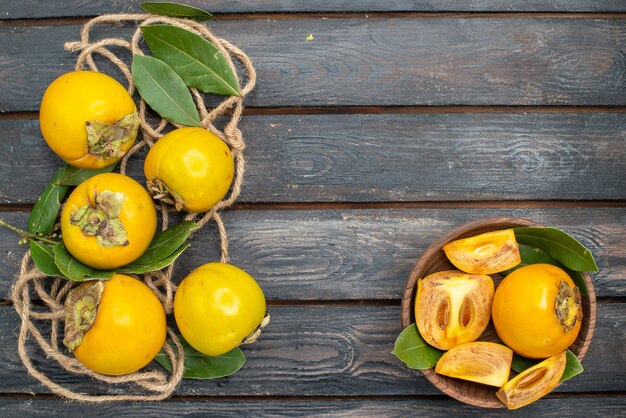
(137, 268)
(572, 365)
(201, 366)
(73, 176)
(411, 348)
(175, 10)
(43, 257)
(166, 242)
(578, 279)
(164, 90)
(44, 214)
(519, 363)
(196, 60)
(73, 269)
(559, 245)
(532, 255)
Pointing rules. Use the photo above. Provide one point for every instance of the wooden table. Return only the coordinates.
(396, 122)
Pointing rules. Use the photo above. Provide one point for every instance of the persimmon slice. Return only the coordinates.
(452, 307)
(480, 362)
(488, 253)
(533, 383)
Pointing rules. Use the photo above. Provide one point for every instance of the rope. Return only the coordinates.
(155, 385)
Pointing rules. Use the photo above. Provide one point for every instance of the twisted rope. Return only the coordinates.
(52, 291)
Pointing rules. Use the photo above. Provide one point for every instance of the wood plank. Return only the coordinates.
(64, 8)
(413, 157)
(380, 61)
(345, 254)
(588, 406)
(325, 350)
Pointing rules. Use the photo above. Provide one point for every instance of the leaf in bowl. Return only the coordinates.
(411, 348)
(532, 255)
(573, 366)
(559, 245)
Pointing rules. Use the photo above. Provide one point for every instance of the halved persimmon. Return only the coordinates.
(533, 383)
(488, 253)
(453, 307)
(480, 362)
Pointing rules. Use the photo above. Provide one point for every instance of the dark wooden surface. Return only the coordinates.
(331, 349)
(56, 8)
(398, 121)
(379, 61)
(392, 157)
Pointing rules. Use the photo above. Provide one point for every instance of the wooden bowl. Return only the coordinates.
(434, 260)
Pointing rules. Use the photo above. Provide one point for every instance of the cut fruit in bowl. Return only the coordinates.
(434, 260)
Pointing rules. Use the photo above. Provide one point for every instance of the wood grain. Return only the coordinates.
(61, 8)
(359, 254)
(373, 158)
(334, 276)
(326, 350)
(382, 62)
(588, 406)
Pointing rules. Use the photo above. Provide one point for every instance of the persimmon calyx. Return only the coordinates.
(105, 139)
(102, 221)
(81, 307)
(159, 191)
(567, 306)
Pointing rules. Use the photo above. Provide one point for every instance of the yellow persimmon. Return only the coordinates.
(115, 326)
(217, 306)
(537, 310)
(88, 119)
(108, 221)
(190, 168)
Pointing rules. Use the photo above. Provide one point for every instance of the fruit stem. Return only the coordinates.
(257, 332)
(27, 235)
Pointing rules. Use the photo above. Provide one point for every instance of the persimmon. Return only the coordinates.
(481, 362)
(189, 168)
(488, 253)
(115, 326)
(88, 119)
(537, 311)
(533, 383)
(217, 306)
(108, 221)
(453, 307)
